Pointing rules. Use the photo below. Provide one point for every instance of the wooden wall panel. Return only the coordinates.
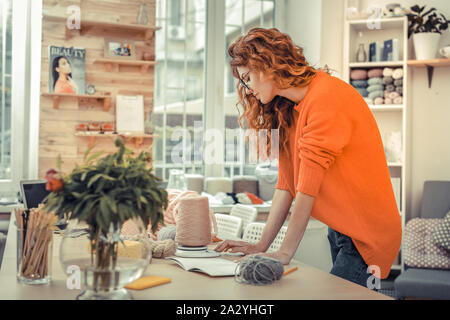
(57, 126)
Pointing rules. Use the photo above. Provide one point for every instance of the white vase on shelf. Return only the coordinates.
(426, 45)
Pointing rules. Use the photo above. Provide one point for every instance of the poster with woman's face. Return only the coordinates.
(67, 72)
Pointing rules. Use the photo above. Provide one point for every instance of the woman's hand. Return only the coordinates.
(238, 246)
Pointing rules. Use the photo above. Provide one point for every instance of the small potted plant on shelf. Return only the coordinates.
(426, 28)
(96, 199)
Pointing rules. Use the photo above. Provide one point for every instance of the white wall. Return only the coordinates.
(303, 24)
(430, 116)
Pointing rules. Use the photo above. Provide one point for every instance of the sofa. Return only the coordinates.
(428, 283)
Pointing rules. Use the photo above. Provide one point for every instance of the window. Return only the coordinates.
(179, 85)
(241, 16)
(5, 93)
(180, 76)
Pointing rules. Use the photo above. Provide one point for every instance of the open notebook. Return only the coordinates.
(214, 267)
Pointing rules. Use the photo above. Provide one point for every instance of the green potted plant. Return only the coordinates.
(96, 199)
(426, 28)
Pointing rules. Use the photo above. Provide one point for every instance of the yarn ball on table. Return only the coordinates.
(167, 232)
(163, 249)
(258, 270)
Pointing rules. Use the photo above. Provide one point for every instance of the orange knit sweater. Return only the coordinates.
(336, 155)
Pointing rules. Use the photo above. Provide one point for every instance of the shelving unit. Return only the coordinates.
(137, 138)
(57, 96)
(146, 32)
(116, 63)
(100, 20)
(388, 117)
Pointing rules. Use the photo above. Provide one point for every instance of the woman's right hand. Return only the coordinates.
(237, 246)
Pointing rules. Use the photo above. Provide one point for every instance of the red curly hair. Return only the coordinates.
(274, 53)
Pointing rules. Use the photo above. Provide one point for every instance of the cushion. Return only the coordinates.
(419, 249)
(441, 234)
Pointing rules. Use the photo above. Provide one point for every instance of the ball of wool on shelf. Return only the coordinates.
(376, 94)
(358, 74)
(387, 72)
(359, 83)
(374, 81)
(378, 101)
(398, 100)
(386, 94)
(363, 92)
(390, 88)
(368, 101)
(398, 82)
(375, 73)
(397, 74)
(388, 80)
(399, 89)
(387, 101)
(394, 95)
(375, 87)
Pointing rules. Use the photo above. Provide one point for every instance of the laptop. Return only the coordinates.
(33, 192)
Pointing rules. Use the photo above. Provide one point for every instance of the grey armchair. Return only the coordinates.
(428, 283)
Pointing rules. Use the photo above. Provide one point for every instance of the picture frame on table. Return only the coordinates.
(119, 49)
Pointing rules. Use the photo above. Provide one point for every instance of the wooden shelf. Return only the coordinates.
(86, 25)
(376, 64)
(137, 138)
(110, 63)
(386, 107)
(371, 25)
(430, 65)
(57, 96)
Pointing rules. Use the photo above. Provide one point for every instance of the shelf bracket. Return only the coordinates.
(106, 104)
(430, 70)
(55, 102)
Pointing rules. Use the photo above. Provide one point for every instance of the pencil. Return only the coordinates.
(289, 271)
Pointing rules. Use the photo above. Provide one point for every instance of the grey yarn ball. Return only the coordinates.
(167, 232)
(258, 270)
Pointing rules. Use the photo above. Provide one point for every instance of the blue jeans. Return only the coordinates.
(347, 262)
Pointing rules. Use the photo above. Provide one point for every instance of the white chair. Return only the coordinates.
(228, 227)
(246, 213)
(254, 230)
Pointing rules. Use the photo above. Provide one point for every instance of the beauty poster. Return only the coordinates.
(67, 70)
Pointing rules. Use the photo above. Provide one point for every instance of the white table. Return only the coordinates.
(305, 283)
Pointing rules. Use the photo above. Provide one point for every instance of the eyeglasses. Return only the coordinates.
(244, 84)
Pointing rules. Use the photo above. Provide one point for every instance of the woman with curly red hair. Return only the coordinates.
(331, 158)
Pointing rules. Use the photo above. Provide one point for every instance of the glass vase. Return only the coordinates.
(361, 55)
(107, 261)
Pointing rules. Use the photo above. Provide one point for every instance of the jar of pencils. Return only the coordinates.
(34, 245)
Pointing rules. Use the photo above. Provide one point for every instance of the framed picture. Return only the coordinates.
(119, 49)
